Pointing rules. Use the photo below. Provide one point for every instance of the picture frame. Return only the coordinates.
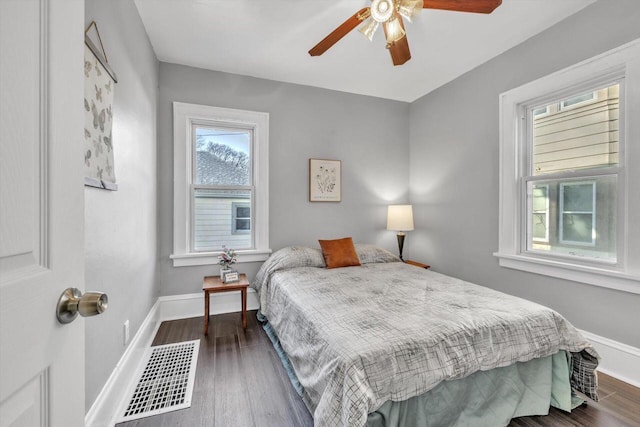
(229, 276)
(325, 180)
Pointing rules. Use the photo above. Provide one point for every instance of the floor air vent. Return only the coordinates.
(166, 381)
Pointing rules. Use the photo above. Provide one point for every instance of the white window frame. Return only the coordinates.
(546, 216)
(561, 213)
(622, 63)
(184, 117)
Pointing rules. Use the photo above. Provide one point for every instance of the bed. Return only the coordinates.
(386, 343)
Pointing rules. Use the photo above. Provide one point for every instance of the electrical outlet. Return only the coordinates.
(126, 332)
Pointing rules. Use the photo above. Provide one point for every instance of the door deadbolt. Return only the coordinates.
(72, 302)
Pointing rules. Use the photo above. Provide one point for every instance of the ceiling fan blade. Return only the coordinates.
(476, 6)
(398, 49)
(340, 32)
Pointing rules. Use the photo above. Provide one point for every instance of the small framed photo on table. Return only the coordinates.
(229, 276)
(325, 180)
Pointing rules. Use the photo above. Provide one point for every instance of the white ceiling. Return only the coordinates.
(270, 39)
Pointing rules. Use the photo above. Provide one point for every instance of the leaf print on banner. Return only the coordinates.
(98, 93)
(100, 171)
(107, 142)
(98, 147)
(87, 157)
(109, 113)
(108, 87)
(86, 105)
(94, 111)
(101, 119)
(98, 69)
(87, 134)
(87, 68)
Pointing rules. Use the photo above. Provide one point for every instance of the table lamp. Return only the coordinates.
(400, 219)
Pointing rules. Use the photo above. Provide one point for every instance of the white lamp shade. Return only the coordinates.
(400, 218)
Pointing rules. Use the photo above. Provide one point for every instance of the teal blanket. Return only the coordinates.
(486, 398)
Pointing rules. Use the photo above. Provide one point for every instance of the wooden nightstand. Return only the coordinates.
(417, 264)
(213, 284)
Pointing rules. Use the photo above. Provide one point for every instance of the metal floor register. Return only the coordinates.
(166, 381)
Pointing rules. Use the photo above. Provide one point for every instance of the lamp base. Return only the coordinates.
(400, 244)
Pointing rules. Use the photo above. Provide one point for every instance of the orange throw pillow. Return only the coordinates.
(339, 253)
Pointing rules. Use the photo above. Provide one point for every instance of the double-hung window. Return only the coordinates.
(570, 174)
(220, 184)
(567, 191)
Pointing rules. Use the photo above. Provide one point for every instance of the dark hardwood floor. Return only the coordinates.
(240, 382)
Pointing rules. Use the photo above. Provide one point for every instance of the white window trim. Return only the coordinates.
(184, 115)
(625, 274)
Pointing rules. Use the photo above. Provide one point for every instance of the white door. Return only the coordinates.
(41, 211)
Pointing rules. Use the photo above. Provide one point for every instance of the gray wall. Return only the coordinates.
(449, 138)
(368, 134)
(121, 226)
(454, 170)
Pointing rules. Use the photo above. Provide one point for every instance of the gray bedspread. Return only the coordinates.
(360, 336)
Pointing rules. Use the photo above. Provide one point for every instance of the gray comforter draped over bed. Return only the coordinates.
(360, 336)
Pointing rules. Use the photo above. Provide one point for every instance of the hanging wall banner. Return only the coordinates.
(98, 105)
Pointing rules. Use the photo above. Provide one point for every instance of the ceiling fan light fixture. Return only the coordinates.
(390, 13)
(409, 8)
(394, 30)
(382, 10)
(368, 28)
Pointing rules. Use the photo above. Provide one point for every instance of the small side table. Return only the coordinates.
(213, 284)
(418, 264)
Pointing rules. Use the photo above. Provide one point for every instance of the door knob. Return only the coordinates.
(72, 302)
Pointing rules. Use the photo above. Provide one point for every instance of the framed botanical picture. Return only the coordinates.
(325, 180)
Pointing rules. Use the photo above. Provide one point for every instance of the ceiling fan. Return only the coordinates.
(389, 13)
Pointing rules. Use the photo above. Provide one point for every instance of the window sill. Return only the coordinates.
(209, 258)
(598, 276)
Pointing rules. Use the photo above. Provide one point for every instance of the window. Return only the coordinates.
(564, 181)
(577, 214)
(542, 111)
(241, 221)
(571, 146)
(540, 213)
(577, 100)
(220, 184)
(222, 178)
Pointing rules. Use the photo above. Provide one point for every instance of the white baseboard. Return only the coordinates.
(104, 411)
(110, 402)
(192, 305)
(618, 360)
